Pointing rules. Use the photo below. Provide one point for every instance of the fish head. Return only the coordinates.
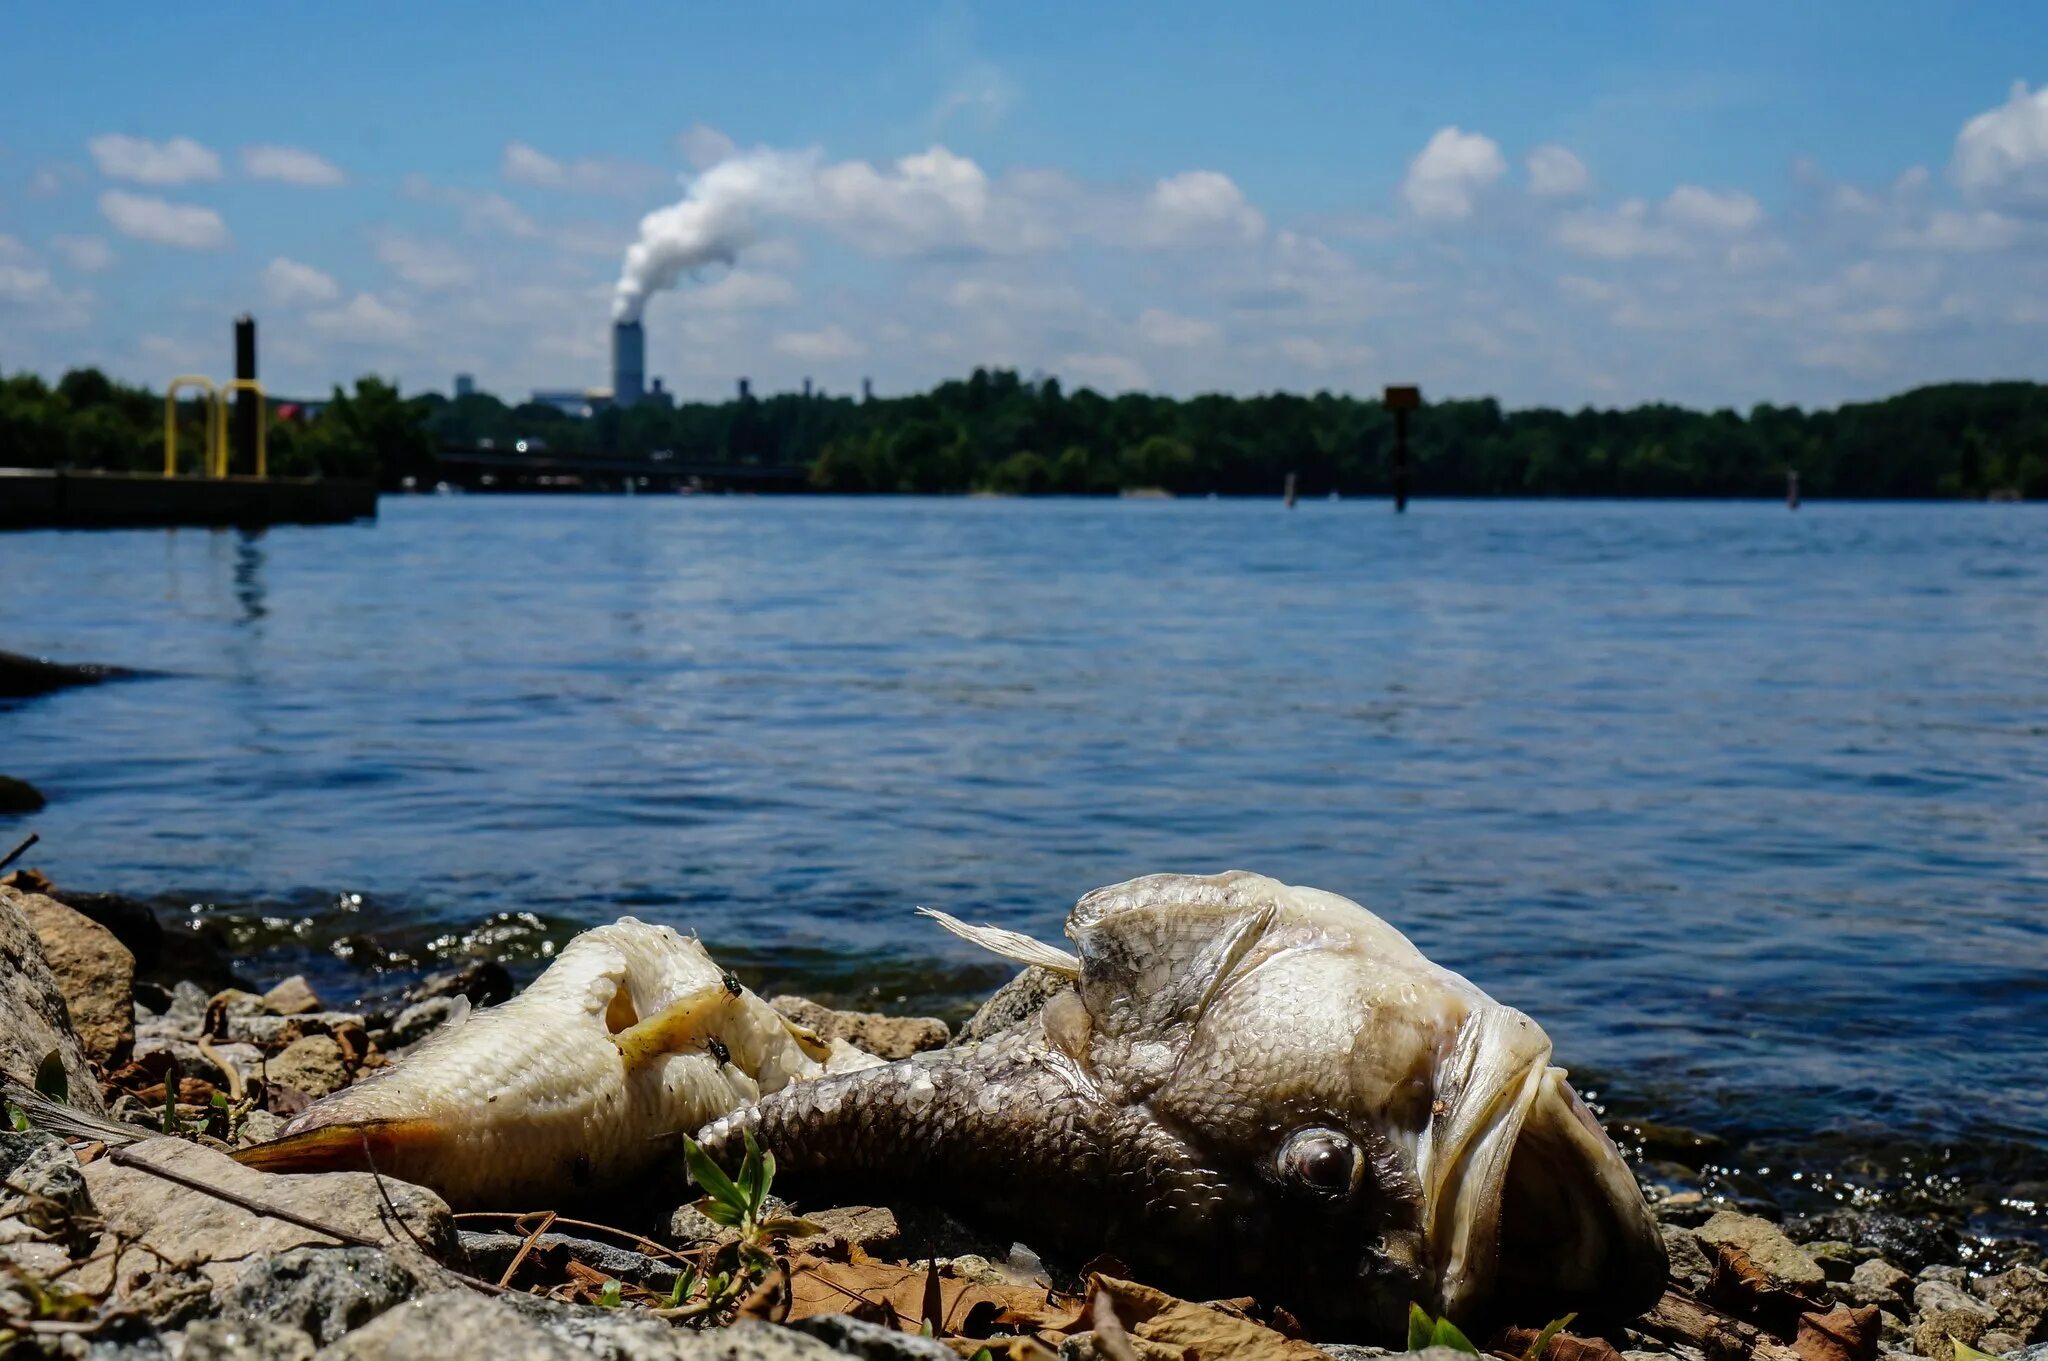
(1344, 1110)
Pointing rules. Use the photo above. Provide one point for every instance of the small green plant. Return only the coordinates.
(17, 1119)
(1542, 1341)
(609, 1295)
(710, 1289)
(1424, 1332)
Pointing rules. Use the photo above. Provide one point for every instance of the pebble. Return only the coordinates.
(292, 997)
(1880, 1283)
(95, 972)
(886, 1037)
(315, 1065)
(1783, 1263)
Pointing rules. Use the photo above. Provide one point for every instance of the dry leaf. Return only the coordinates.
(1200, 1332)
(888, 1292)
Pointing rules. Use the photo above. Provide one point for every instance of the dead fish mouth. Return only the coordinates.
(1528, 1198)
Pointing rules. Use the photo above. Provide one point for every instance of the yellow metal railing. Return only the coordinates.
(189, 380)
(214, 457)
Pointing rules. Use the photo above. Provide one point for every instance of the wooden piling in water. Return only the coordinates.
(1289, 494)
(1401, 401)
(1792, 489)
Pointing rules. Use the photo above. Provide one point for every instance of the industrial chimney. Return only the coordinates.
(629, 363)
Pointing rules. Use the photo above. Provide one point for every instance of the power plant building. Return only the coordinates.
(629, 363)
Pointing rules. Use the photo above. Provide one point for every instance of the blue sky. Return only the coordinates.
(1610, 203)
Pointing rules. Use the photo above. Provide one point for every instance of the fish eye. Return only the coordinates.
(1323, 1161)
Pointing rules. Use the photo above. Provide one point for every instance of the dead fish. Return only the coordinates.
(631, 1034)
(1253, 1087)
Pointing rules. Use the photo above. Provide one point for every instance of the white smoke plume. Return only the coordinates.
(720, 213)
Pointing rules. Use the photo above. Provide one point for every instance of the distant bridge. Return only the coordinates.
(476, 468)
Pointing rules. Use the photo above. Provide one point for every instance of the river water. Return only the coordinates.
(1748, 808)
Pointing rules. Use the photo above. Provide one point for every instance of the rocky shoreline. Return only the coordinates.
(143, 1239)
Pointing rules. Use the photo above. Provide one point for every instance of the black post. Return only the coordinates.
(243, 443)
(1400, 459)
(1401, 401)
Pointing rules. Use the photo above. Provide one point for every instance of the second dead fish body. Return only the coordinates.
(631, 1034)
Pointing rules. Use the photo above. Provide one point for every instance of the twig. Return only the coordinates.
(519, 1258)
(385, 1195)
(127, 1157)
(642, 1244)
(16, 853)
(237, 1089)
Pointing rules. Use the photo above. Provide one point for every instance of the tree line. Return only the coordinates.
(994, 431)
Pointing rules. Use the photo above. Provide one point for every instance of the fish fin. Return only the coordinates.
(61, 1118)
(810, 1041)
(1011, 945)
(683, 1026)
(458, 1013)
(337, 1147)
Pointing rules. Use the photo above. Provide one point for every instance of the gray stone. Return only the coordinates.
(224, 1239)
(887, 1037)
(315, 1065)
(270, 1032)
(849, 1336)
(34, 1020)
(1939, 1295)
(1906, 1241)
(188, 1008)
(2020, 1295)
(293, 997)
(452, 1323)
(172, 1298)
(95, 972)
(2037, 1352)
(1023, 996)
(1783, 1263)
(422, 1019)
(1880, 1283)
(45, 1188)
(323, 1292)
(245, 1339)
(490, 1253)
(1935, 1331)
(1689, 1264)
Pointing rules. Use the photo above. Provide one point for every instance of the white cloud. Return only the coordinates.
(1620, 233)
(2003, 152)
(288, 283)
(31, 298)
(830, 342)
(1691, 206)
(1556, 172)
(1949, 230)
(178, 161)
(186, 225)
(365, 319)
(982, 94)
(1174, 331)
(1449, 172)
(529, 165)
(1105, 372)
(86, 254)
(1198, 204)
(290, 165)
(704, 146)
(743, 290)
(424, 264)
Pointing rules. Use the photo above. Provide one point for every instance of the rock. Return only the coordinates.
(21, 675)
(458, 1323)
(1938, 1295)
(225, 1240)
(887, 1037)
(292, 997)
(2037, 1352)
(1690, 1266)
(153, 1049)
(1880, 1283)
(44, 1186)
(1903, 1240)
(95, 972)
(2020, 1296)
(483, 981)
(187, 1012)
(850, 1336)
(422, 1019)
(19, 796)
(1022, 996)
(315, 1065)
(259, 1127)
(1936, 1330)
(34, 1019)
(245, 1339)
(1999, 1343)
(1689, 1148)
(172, 1298)
(322, 1292)
(275, 1032)
(184, 950)
(871, 1228)
(1841, 1334)
(690, 1225)
(489, 1253)
(1837, 1259)
(1778, 1261)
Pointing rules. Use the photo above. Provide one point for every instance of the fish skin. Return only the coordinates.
(1226, 1033)
(520, 1104)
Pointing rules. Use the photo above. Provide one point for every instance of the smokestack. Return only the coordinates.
(867, 389)
(244, 432)
(629, 363)
(807, 387)
(746, 389)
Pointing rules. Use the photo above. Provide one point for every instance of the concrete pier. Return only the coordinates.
(39, 498)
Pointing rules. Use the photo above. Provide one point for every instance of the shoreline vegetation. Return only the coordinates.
(995, 432)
